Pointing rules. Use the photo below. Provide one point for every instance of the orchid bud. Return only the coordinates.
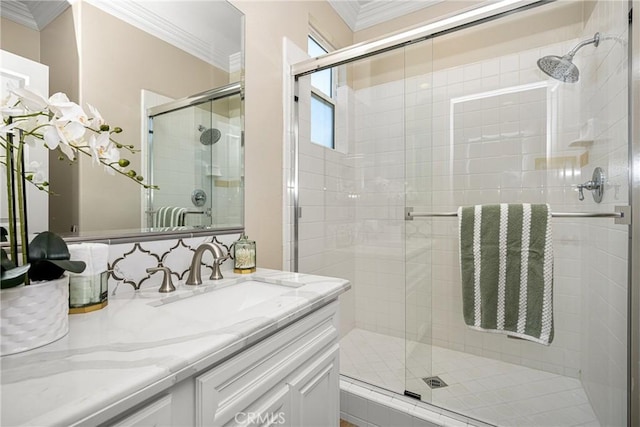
(118, 146)
(104, 128)
(131, 173)
(123, 163)
(139, 178)
(117, 129)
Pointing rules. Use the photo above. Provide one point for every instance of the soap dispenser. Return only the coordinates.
(244, 255)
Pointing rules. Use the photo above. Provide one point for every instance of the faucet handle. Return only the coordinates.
(167, 283)
(216, 274)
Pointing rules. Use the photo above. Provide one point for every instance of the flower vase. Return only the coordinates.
(33, 316)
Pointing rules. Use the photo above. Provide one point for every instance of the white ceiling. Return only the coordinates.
(209, 30)
(360, 14)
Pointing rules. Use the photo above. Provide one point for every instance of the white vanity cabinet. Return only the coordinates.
(290, 378)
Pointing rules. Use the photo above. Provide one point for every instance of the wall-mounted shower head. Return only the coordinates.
(562, 67)
(209, 136)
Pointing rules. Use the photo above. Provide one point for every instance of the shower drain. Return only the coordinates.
(434, 382)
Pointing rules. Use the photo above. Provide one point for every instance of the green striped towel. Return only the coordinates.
(169, 216)
(506, 265)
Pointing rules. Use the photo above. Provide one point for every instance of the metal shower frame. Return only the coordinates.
(220, 92)
(472, 17)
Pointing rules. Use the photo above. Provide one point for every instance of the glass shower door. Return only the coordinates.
(196, 160)
(503, 131)
(420, 236)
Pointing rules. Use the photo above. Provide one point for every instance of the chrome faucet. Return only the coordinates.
(195, 277)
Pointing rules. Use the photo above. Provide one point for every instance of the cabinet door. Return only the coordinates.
(315, 391)
(229, 388)
(271, 410)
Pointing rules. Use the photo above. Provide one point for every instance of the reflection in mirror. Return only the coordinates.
(110, 54)
(195, 155)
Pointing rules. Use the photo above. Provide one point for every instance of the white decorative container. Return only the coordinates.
(33, 316)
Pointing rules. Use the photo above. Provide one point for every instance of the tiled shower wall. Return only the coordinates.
(379, 148)
(327, 190)
(604, 263)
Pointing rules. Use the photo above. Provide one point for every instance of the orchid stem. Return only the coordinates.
(22, 203)
(11, 206)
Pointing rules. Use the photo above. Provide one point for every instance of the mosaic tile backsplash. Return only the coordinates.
(128, 262)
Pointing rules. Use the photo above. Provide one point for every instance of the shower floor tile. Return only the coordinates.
(493, 391)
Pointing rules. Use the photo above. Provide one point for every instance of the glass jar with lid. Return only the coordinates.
(244, 255)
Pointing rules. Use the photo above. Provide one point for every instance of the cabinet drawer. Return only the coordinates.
(226, 389)
(157, 413)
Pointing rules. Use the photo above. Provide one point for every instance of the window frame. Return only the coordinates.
(319, 94)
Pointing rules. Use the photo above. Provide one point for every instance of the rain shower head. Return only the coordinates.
(209, 136)
(562, 67)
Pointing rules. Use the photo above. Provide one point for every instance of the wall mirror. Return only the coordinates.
(169, 74)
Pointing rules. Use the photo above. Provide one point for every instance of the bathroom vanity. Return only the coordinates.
(249, 349)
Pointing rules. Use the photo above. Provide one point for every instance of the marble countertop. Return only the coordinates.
(132, 349)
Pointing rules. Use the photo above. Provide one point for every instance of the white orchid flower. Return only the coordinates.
(8, 111)
(7, 129)
(10, 105)
(34, 128)
(32, 100)
(104, 150)
(64, 109)
(65, 132)
(35, 170)
(68, 151)
(95, 117)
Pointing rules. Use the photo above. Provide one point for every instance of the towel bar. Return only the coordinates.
(151, 211)
(621, 215)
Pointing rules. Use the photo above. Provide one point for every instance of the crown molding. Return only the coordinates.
(348, 11)
(33, 14)
(19, 13)
(359, 15)
(46, 11)
(235, 62)
(136, 14)
(38, 14)
(376, 12)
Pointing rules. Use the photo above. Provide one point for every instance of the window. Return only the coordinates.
(322, 100)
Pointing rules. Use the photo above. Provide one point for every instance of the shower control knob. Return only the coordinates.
(596, 186)
(198, 197)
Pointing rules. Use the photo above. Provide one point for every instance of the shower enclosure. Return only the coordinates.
(457, 114)
(205, 131)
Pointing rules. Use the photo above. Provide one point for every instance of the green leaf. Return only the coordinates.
(49, 257)
(14, 277)
(11, 275)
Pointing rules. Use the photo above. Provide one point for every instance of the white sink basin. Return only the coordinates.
(219, 303)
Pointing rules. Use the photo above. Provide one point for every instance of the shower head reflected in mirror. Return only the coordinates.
(562, 67)
(209, 136)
